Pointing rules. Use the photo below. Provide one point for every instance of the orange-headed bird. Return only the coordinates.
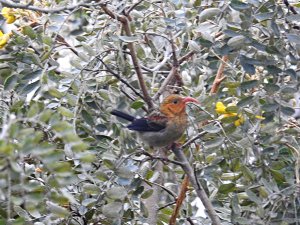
(161, 128)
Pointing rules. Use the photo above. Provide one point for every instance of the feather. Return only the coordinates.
(122, 115)
(144, 125)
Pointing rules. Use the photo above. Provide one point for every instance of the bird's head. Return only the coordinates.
(174, 105)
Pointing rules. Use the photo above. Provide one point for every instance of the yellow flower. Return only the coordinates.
(8, 14)
(220, 108)
(3, 39)
(239, 121)
(260, 117)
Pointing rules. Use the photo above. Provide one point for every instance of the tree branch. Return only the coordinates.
(165, 83)
(197, 186)
(185, 57)
(133, 6)
(219, 77)
(125, 22)
(184, 185)
(11, 4)
(180, 198)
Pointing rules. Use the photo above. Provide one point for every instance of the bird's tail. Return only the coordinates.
(122, 115)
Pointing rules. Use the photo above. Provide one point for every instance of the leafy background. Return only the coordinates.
(65, 160)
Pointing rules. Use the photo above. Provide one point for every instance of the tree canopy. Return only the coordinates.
(65, 65)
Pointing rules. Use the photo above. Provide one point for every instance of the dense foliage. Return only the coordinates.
(65, 160)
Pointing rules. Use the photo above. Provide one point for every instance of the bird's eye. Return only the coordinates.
(175, 101)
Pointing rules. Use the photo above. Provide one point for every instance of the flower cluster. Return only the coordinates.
(4, 39)
(9, 14)
(222, 110)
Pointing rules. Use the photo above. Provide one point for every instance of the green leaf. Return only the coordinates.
(226, 188)
(247, 173)
(88, 49)
(237, 41)
(32, 75)
(117, 193)
(287, 110)
(239, 5)
(271, 88)
(293, 18)
(235, 204)
(214, 143)
(140, 52)
(108, 163)
(87, 117)
(264, 16)
(294, 38)
(137, 104)
(253, 197)
(245, 101)
(33, 110)
(249, 84)
(91, 189)
(27, 30)
(147, 194)
(208, 14)
(232, 109)
(30, 87)
(21, 212)
(55, 93)
(65, 112)
(197, 3)
(104, 94)
(45, 115)
(101, 176)
(57, 210)
(101, 127)
(129, 39)
(10, 82)
(229, 119)
(270, 107)
(113, 210)
(210, 128)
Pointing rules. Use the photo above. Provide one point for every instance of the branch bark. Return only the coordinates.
(180, 198)
(126, 26)
(11, 4)
(184, 185)
(187, 168)
(219, 77)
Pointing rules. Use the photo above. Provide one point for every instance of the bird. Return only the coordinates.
(161, 128)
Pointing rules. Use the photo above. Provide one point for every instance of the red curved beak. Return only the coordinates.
(190, 99)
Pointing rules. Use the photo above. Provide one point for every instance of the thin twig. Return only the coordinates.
(297, 163)
(185, 57)
(188, 142)
(161, 186)
(11, 4)
(120, 78)
(165, 83)
(219, 77)
(161, 159)
(190, 220)
(137, 66)
(167, 205)
(181, 197)
(133, 6)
